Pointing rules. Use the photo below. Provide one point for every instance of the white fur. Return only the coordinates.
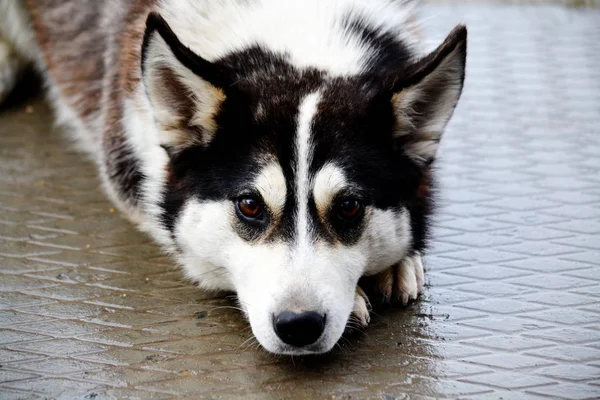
(10, 65)
(15, 28)
(410, 278)
(310, 31)
(270, 277)
(300, 275)
(17, 47)
(386, 239)
(303, 149)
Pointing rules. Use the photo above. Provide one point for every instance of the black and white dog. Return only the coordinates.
(281, 149)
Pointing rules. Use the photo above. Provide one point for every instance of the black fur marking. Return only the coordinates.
(212, 73)
(389, 52)
(353, 128)
(224, 168)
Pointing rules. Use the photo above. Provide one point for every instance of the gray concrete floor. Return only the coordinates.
(90, 309)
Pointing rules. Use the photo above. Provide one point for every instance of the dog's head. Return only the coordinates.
(286, 184)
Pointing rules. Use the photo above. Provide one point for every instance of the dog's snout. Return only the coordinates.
(299, 329)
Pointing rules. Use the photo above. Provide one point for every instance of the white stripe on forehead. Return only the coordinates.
(304, 154)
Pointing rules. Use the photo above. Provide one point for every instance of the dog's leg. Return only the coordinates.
(403, 282)
(10, 67)
(362, 307)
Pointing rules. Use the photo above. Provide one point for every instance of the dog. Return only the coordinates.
(280, 149)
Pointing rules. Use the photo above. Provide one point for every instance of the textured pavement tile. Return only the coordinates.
(190, 328)
(502, 306)
(508, 380)
(129, 394)
(495, 288)
(571, 372)
(508, 343)
(51, 386)
(438, 388)
(57, 347)
(74, 275)
(61, 329)
(8, 356)
(58, 366)
(568, 335)
(11, 318)
(9, 336)
(559, 299)
(11, 376)
(573, 317)
(128, 319)
(63, 310)
(510, 361)
(547, 264)
(14, 299)
(17, 283)
(492, 272)
(138, 284)
(71, 292)
(7, 394)
(133, 302)
(568, 353)
(121, 377)
(124, 337)
(313, 389)
(121, 357)
(133, 267)
(23, 265)
(187, 386)
(570, 391)
(193, 346)
(92, 309)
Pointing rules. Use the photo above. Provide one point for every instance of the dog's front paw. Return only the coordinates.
(403, 282)
(362, 308)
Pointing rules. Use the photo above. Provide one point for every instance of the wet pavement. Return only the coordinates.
(90, 309)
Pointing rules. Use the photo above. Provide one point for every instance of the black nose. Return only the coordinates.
(299, 329)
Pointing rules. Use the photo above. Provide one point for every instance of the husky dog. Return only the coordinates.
(281, 149)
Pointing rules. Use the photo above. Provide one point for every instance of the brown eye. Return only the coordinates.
(349, 209)
(250, 207)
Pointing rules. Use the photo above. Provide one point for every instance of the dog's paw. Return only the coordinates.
(403, 282)
(362, 308)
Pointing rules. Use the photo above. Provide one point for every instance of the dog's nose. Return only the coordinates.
(299, 329)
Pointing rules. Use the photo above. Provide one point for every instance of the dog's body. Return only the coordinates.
(279, 149)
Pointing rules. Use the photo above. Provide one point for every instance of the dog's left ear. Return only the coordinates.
(185, 90)
(425, 95)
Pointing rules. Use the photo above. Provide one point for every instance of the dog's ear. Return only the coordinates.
(425, 95)
(185, 91)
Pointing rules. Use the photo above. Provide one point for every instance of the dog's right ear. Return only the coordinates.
(185, 91)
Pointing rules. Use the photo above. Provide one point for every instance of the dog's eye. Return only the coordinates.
(250, 207)
(349, 209)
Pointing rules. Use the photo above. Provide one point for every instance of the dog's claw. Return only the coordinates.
(362, 307)
(403, 282)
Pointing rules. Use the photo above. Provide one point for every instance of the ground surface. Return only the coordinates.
(89, 308)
